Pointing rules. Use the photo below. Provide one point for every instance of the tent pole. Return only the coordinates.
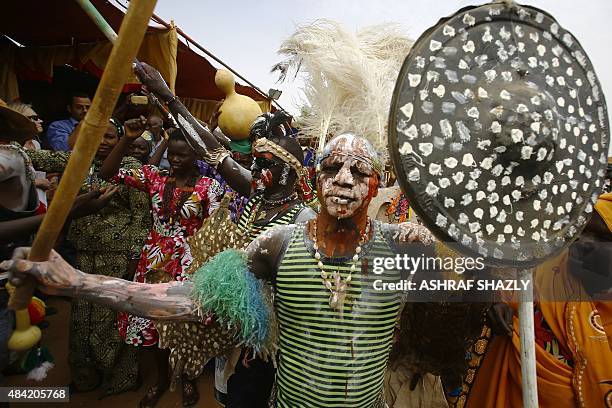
(527, 336)
(97, 18)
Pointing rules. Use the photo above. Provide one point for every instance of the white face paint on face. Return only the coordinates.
(346, 184)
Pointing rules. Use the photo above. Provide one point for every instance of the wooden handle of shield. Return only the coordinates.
(94, 125)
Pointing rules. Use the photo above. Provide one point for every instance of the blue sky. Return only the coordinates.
(247, 34)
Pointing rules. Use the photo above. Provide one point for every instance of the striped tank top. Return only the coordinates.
(249, 225)
(325, 360)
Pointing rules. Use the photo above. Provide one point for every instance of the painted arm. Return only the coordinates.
(168, 301)
(204, 143)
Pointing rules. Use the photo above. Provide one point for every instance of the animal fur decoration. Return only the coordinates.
(349, 77)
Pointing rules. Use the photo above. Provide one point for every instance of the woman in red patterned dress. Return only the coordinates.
(180, 201)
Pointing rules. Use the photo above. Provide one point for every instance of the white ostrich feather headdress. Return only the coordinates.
(349, 77)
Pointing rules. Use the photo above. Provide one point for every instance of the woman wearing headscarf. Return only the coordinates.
(572, 331)
(106, 243)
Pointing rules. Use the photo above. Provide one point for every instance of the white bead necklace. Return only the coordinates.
(339, 288)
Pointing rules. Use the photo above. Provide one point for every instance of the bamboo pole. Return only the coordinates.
(529, 383)
(94, 125)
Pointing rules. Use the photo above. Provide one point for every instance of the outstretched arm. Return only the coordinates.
(200, 138)
(168, 301)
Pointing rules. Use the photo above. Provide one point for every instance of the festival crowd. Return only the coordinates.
(185, 223)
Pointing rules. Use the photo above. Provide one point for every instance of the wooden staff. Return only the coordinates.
(527, 334)
(94, 125)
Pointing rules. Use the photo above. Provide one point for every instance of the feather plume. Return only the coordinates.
(349, 77)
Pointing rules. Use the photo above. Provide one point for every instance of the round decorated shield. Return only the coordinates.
(498, 131)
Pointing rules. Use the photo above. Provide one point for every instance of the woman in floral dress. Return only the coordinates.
(180, 201)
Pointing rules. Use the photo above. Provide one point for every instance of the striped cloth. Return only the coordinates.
(254, 229)
(328, 361)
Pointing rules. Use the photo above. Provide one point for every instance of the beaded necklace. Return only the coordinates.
(169, 214)
(339, 288)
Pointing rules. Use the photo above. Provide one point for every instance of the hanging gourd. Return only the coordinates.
(238, 112)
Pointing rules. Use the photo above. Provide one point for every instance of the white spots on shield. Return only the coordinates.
(426, 129)
(435, 169)
(539, 18)
(434, 45)
(554, 28)
(532, 62)
(482, 93)
(487, 37)
(439, 90)
(427, 107)
(458, 177)
(448, 31)
(507, 76)
(411, 133)
(444, 182)
(441, 221)
(446, 129)
(448, 108)
(414, 175)
(487, 163)
(468, 160)
(481, 195)
(426, 148)
(450, 162)
(406, 149)
(432, 189)
(449, 202)
(469, 46)
(580, 57)
(491, 185)
(459, 97)
(541, 49)
(407, 110)
(473, 112)
(451, 76)
(567, 40)
(469, 79)
(497, 170)
(469, 20)
(522, 108)
(505, 95)
(516, 135)
(526, 152)
(561, 101)
(420, 62)
(490, 75)
(471, 185)
(496, 127)
(542, 152)
(502, 54)
(483, 144)
(569, 71)
(547, 35)
(497, 111)
(474, 227)
(467, 199)
(462, 219)
(481, 59)
(463, 64)
(414, 80)
(505, 34)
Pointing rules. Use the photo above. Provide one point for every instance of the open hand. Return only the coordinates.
(93, 201)
(152, 79)
(54, 276)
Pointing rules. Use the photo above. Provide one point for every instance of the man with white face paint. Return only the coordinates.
(335, 330)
